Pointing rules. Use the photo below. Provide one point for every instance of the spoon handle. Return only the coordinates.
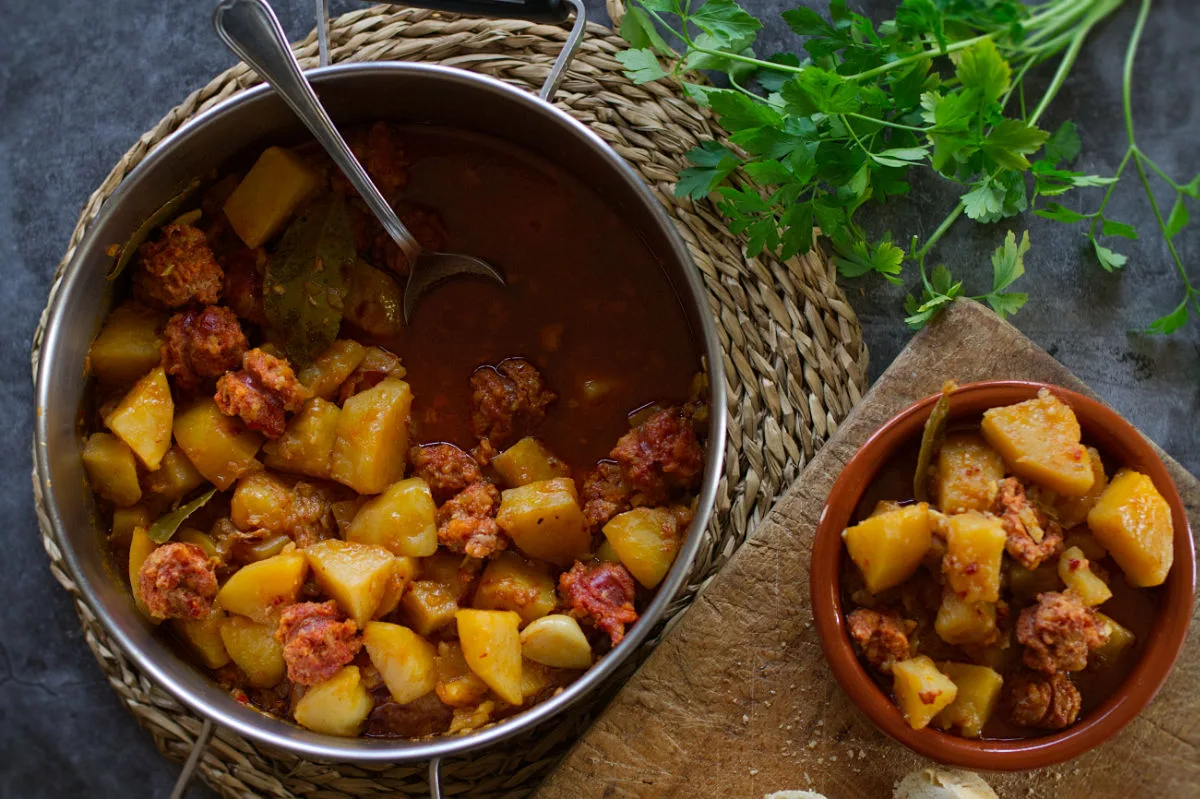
(251, 30)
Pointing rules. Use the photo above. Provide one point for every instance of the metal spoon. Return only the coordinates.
(251, 30)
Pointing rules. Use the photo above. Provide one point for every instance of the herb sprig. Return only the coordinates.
(942, 87)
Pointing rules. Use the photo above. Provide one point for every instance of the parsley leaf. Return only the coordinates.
(861, 257)
(1166, 325)
(713, 163)
(641, 66)
(982, 67)
(725, 21)
(1108, 259)
(1178, 219)
(1063, 145)
(1008, 261)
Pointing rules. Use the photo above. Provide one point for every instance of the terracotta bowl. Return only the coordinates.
(1115, 437)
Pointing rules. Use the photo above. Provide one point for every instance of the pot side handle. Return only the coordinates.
(547, 11)
(532, 10)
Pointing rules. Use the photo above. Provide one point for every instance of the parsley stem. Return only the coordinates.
(1095, 14)
(888, 123)
(1138, 158)
(950, 219)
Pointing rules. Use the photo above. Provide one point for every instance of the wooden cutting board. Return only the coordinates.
(739, 701)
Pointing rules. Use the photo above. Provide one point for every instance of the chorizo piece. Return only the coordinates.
(1020, 521)
(601, 594)
(261, 393)
(1047, 703)
(202, 343)
(446, 468)
(604, 493)
(177, 581)
(317, 641)
(882, 636)
(467, 522)
(661, 454)
(508, 400)
(1058, 633)
(178, 268)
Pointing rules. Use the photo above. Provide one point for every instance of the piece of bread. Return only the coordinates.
(795, 795)
(933, 783)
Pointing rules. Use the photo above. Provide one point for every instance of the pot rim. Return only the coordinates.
(1103, 425)
(283, 734)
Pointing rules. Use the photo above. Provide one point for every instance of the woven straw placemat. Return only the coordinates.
(794, 359)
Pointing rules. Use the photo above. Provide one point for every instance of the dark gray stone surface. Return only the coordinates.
(80, 80)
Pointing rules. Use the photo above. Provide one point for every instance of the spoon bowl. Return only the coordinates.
(252, 31)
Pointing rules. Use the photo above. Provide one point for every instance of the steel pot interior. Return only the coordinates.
(410, 93)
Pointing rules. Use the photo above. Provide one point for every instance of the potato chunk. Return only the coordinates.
(268, 196)
(260, 590)
(140, 547)
(219, 446)
(921, 690)
(1073, 511)
(457, 685)
(372, 437)
(974, 551)
(261, 500)
(556, 641)
(405, 660)
(356, 575)
(175, 478)
(255, 650)
(966, 470)
(338, 706)
(406, 570)
(128, 345)
(646, 540)
(143, 418)
(331, 368)
(1075, 571)
(492, 648)
(124, 520)
(403, 519)
(203, 636)
(978, 693)
(1039, 439)
(1118, 641)
(1133, 522)
(374, 303)
(511, 583)
(428, 606)
(112, 469)
(888, 548)
(960, 622)
(528, 461)
(545, 521)
(306, 446)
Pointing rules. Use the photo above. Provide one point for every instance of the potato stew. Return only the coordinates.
(385, 530)
(1014, 597)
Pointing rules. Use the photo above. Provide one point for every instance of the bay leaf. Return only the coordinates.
(165, 213)
(161, 531)
(931, 441)
(305, 286)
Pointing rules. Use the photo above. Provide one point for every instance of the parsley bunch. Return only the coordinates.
(939, 87)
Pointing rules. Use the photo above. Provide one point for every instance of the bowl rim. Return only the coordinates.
(1135, 692)
(283, 734)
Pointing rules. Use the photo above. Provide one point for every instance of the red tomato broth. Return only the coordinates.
(569, 260)
(1132, 608)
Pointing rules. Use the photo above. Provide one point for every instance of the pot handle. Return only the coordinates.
(548, 11)
(435, 778)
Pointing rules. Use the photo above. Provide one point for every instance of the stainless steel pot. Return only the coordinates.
(409, 93)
